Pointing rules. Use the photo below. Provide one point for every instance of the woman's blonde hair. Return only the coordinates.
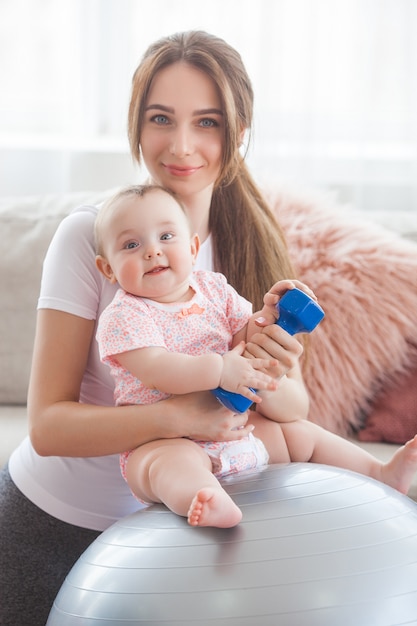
(248, 244)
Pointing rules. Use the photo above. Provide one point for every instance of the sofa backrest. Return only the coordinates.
(27, 225)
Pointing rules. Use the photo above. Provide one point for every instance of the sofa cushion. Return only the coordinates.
(26, 226)
(393, 416)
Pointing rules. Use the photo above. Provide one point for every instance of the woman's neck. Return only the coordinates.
(198, 210)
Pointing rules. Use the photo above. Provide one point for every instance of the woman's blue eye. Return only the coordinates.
(160, 119)
(207, 122)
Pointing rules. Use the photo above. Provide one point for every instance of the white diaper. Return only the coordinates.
(230, 457)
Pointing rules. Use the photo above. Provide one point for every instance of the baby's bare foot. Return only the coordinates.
(400, 470)
(213, 507)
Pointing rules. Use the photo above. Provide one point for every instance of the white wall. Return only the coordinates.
(48, 169)
(34, 171)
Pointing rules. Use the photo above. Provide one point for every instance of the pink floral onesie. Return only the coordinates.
(204, 324)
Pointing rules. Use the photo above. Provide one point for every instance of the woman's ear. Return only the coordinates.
(195, 246)
(104, 267)
(242, 136)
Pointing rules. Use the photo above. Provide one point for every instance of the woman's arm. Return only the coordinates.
(60, 425)
(289, 402)
(266, 339)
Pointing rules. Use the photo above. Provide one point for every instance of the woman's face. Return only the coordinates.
(183, 129)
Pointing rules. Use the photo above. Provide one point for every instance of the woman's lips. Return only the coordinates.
(177, 170)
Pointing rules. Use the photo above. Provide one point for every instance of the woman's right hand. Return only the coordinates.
(200, 416)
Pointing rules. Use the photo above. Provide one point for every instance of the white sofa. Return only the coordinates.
(27, 225)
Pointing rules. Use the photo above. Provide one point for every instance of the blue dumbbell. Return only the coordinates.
(298, 313)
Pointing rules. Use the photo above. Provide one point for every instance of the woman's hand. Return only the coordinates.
(269, 314)
(200, 416)
(274, 342)
(267, 339)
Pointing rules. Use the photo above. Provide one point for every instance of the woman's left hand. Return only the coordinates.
(269, 314)
(274, 342)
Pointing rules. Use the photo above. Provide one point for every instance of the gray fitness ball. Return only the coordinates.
(317, 546)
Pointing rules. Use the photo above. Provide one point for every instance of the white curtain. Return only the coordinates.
(335, 84)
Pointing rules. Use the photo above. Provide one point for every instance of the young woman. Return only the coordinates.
(190, 110)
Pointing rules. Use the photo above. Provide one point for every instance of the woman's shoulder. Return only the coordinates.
(77, 227)
(83, 215)
(70, 280)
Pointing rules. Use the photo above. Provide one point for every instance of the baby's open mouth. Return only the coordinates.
(157, 270)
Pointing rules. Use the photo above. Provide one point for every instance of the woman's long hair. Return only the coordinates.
(248, 244)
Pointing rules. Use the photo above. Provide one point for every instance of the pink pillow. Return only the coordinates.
(365, 278)
(393, 418)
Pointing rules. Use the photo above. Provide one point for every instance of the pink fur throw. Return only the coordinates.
(393, 417)
(365, 278)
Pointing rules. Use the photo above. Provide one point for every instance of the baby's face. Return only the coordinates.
(149, 246)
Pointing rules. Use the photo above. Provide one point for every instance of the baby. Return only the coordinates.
(170, 330)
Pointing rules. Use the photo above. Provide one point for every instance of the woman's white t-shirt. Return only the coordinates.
(87, 492)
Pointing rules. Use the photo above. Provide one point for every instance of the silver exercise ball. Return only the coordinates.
(317, 546)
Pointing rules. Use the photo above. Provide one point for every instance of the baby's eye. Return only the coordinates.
(130, 245)
(166, 236)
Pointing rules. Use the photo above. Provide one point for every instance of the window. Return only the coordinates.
(335, 82)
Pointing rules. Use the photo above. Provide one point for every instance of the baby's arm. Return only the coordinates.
(178, 373)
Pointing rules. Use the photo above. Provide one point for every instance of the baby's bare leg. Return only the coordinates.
(178, 473)
(304, 441)
(331, 449)
(401, 468)
(272, 436)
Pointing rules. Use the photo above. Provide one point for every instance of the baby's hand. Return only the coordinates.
(269, 314)
(239, 374)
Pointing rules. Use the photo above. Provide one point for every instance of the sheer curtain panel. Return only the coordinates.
(335, 84)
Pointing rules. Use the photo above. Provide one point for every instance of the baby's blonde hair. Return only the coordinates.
(106, 209)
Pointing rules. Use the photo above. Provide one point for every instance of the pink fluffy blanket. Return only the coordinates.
(365, 278)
